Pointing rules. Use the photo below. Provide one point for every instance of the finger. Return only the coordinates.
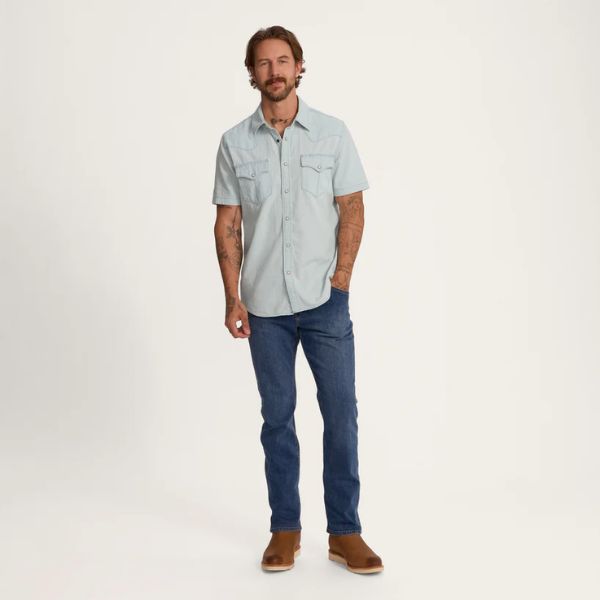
(246, 324)
(240, 333)
(231, 325)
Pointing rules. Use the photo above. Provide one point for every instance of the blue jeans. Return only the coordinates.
(328, 343)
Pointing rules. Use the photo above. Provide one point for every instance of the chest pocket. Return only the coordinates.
(316, 173)
(254, 179)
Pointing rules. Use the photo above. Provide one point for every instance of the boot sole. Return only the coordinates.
(280, 567)
(339, 558)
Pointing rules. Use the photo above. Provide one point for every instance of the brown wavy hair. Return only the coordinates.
(277, 32)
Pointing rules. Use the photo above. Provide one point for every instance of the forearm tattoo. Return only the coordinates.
(350, 231)
(229, 247)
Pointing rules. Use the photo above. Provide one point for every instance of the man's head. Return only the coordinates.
(274, 61)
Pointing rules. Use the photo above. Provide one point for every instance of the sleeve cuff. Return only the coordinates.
(348, 189)
(229, 201)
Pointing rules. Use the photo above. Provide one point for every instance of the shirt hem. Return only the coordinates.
(322, 301)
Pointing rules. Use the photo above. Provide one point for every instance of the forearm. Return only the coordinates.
(228, 242)
(349, 237)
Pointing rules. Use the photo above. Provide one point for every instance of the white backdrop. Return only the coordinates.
(130, 459)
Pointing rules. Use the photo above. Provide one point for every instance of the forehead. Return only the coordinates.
(272, 48)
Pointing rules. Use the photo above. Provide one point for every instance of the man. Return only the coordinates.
(293, 176)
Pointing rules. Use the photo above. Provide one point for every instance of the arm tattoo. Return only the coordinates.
(349, 235)
(229, 247)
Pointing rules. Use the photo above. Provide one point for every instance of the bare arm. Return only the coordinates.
(228, 243)
(350, 230)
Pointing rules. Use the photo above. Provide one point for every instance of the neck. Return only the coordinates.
(281, 113)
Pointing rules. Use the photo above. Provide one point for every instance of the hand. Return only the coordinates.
(337, 282)
(236, 311)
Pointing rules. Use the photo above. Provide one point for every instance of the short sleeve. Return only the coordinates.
(349, 175)
(225, 189)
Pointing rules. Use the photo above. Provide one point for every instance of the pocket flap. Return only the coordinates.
(252, 169)
(317, 161)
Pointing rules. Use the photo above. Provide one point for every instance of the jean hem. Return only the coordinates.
(286, 528)
(344, 531)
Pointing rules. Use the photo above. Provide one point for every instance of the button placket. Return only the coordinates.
(287, 211)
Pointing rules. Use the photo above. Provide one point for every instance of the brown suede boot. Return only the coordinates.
(283, 548)
(352, 551)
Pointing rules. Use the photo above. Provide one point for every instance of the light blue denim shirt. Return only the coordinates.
(286, 186)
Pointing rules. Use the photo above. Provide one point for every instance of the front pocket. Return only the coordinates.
(316, 173)
(254, 179)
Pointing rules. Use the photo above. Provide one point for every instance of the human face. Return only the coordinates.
(275, 71)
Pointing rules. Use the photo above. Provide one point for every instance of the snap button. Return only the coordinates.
(318, 166)
(252, 174)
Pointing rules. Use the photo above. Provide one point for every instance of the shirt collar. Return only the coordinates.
(302, 116)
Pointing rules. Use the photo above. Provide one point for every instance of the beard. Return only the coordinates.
(276, 93)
